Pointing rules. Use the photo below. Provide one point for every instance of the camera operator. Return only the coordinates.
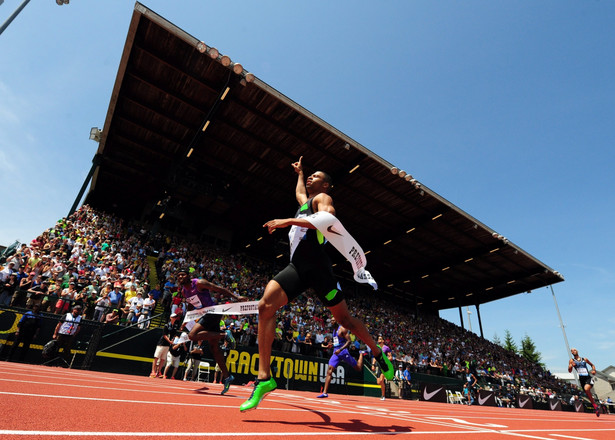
(66, 330)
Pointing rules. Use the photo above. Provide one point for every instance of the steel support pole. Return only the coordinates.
(561, 323)
(13, 15)
(480, 322)
(95, 162)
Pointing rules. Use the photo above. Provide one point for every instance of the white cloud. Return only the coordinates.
(601, 273)
(606, 345)
(9, 107)
(7, 116)
(9, 153)
(7, 166)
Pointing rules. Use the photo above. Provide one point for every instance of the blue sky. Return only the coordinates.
(504, 108)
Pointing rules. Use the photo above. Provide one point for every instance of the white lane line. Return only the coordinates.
(522, 433)
(228, 434)
(515, 434)
(570, 436)
(91, 376)
(150, 402)
(258, 434)
(98, 399)
(77, 374)
(89, 387)
(550, 430)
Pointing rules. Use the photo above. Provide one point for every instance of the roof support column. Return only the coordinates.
(461, 317)
(13, 15)
(480, 323)
(95, 162)
(561, 324)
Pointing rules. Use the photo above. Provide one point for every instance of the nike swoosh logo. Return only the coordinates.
(553, 405)
(226, 310)
(330, 229)
(522, 404)
(482, 401)
(428, 396)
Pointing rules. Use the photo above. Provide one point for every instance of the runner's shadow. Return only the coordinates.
(203, 390)
(350, 425)
(206, 391)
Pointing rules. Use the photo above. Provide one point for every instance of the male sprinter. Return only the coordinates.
(309, 267)
(341, 342)
(197, 292)
(587, 381)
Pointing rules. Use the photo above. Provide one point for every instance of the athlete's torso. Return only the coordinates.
(338, 339)
(306, 244)
(198, 298)
(581, 366)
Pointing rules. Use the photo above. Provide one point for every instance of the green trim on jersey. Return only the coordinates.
(320, 237)
(329, 296)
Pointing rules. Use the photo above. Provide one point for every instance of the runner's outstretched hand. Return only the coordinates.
(297, 166)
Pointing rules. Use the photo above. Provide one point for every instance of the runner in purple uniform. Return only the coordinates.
(197, 292)
(341, 342)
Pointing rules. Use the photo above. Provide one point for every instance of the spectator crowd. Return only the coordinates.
(100, 262)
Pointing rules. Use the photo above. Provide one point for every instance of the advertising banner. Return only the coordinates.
(433, 393)
(486, 398)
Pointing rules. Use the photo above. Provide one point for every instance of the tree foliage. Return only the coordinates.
(496, 340)
(528, 350)
(509, 342)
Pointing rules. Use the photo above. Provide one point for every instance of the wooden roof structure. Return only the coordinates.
(193, 135)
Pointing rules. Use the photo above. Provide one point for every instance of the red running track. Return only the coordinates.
(49, 402)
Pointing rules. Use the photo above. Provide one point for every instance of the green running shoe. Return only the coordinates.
(261, 389)
(385, 365)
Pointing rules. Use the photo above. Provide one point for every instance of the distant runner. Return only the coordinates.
(587, 381)
(381, 377)
(341, 342)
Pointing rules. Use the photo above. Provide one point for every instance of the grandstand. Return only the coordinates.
(195, 144)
